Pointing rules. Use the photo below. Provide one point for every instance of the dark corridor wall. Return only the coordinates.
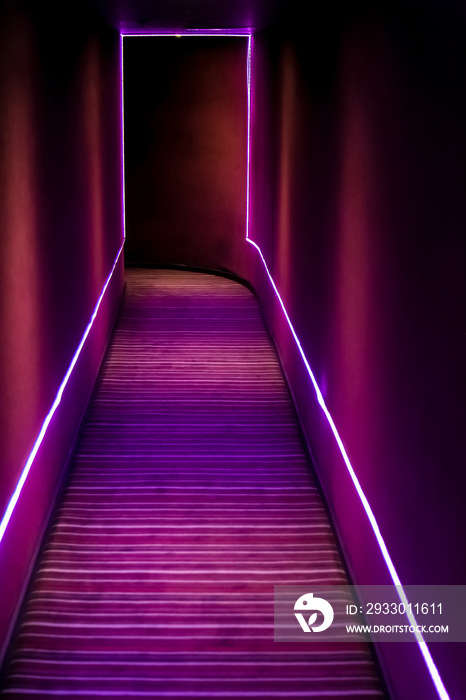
(60, 230)
(358, 202)
(185, 146)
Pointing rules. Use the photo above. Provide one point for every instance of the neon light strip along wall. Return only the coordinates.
(19, 487)
(27, 467)
(24, 474)
(438, 683)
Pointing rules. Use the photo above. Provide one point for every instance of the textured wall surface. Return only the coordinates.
(60, 221)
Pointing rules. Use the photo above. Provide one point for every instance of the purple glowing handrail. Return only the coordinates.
(24, 474)
(19, 486)
(441, 690)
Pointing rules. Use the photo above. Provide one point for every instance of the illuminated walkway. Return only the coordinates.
(190, 497)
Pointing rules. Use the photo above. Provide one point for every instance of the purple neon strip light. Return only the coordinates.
(443, 694)
(434, 674)
(19, 487)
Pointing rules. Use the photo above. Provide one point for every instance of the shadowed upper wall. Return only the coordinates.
(185, 150)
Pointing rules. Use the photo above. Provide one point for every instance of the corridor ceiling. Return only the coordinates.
(150, 15)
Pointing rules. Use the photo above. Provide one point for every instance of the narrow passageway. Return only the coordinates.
(190, 497)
